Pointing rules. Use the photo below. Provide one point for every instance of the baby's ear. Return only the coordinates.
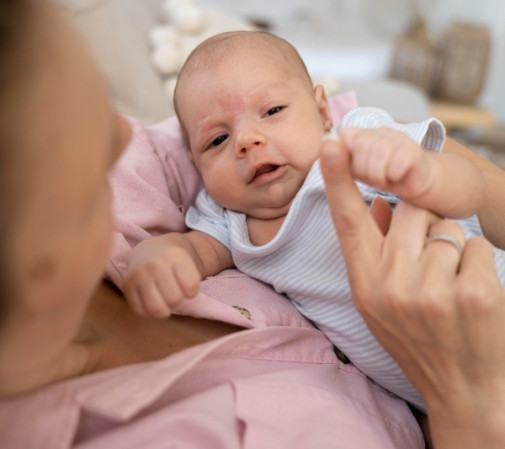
(324, 107)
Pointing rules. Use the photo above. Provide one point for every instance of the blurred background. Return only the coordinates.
(411, 57)
(453, 50)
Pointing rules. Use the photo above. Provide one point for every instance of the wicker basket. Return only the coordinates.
(416, 62)
(454, 69)
(415, 58)
(465, 55)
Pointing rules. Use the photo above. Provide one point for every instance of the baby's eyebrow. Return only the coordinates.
(205, 127)
(207, 123)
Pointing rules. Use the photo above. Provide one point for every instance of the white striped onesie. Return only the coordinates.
(304, 260)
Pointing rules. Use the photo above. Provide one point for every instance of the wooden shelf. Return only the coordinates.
(454, 115)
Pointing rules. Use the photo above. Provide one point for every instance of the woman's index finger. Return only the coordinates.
(359, 236)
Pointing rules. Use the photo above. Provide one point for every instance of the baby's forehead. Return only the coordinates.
(218, 52)
(242, 42)
(268, 54)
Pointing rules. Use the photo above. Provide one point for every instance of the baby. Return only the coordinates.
(254, 124)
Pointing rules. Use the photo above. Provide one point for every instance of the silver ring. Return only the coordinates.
(446, 238)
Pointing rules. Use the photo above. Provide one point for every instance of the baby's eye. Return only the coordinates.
(274, 110)
(218, 140)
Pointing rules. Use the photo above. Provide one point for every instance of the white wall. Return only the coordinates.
(490, 13)
(437, 13)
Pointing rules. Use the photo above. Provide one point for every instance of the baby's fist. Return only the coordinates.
(159, 279)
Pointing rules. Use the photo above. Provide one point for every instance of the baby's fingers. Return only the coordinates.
(371, 151)
(182, 281)
(153, 301)
(152, 289)
(398, 165)
(188, 278)
(144, 297)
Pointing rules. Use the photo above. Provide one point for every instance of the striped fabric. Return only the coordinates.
(304, 260)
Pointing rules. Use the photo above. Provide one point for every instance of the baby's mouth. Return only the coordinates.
(267, 168)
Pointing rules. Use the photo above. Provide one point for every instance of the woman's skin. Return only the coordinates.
(114, 335)
(492, 215)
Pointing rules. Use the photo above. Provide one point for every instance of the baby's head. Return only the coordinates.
(219, 49)
(249, 112)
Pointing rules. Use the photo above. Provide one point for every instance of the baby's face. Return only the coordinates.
(254, 125)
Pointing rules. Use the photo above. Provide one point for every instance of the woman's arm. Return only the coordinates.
(492, 213)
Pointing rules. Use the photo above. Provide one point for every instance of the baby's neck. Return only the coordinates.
(262, 231)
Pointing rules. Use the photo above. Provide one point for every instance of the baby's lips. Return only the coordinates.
(261, 169)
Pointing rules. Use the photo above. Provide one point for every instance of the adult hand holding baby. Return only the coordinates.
(438, 313)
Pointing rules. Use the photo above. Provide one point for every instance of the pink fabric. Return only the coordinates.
(153, 184)
(275, 384)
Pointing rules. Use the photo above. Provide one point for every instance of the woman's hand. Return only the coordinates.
(439, 313)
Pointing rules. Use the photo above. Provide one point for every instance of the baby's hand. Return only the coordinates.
(159, 277)
(388, 160)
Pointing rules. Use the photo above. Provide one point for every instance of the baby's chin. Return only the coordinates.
(273, 211)
(280, 198)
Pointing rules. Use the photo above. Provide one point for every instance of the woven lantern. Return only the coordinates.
(415, 58)
(465, 53)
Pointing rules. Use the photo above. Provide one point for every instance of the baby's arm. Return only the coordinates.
(446, 183)
(165, 270)
(492, 213)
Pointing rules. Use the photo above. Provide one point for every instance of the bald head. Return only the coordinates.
(218, 48)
